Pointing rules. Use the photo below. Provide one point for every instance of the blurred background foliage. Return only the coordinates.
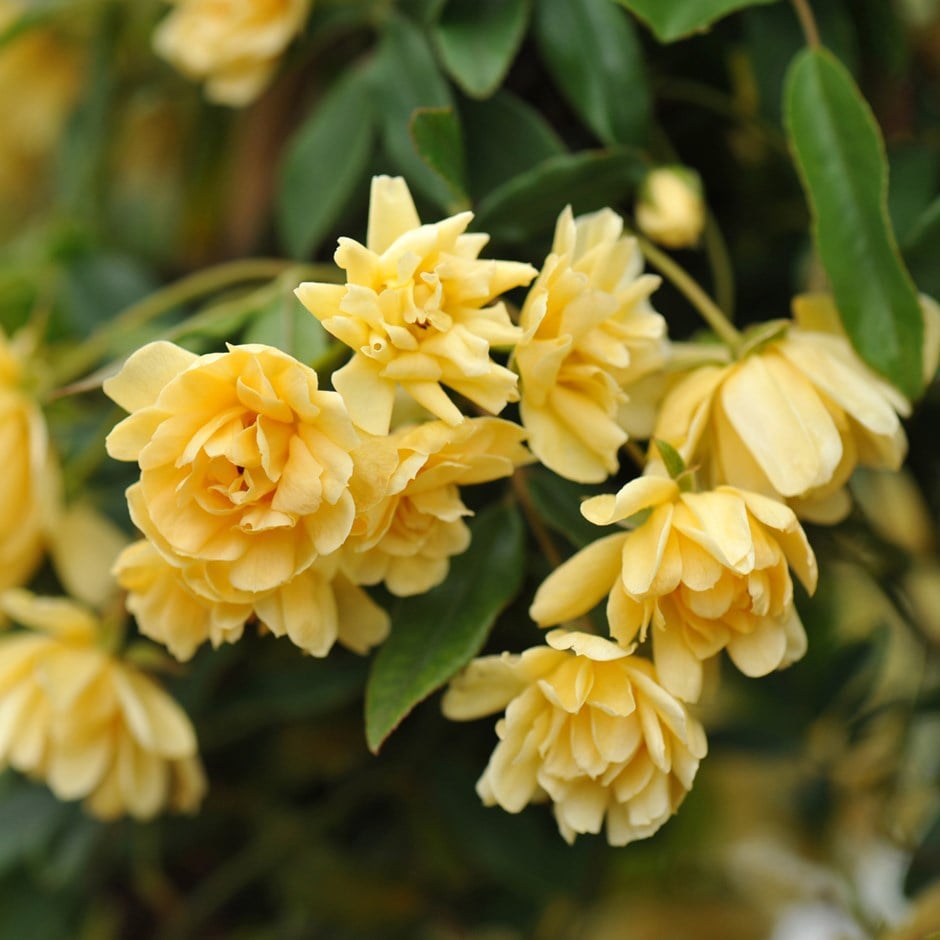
(819, 798)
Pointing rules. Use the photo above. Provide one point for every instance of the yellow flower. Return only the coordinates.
(588, 726)
(39, 83)
(589, 332)
(89, 725)
(314, 610)
(407, 538)
(708, 570)
(232, 45)
(245, 464)
(418, 311)
(791, 420)
(30, 482)
(671, 210)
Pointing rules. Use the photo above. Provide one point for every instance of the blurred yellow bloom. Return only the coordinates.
(895, 507)
(418, 311)
(89, 725)
(408, 537)
(588, 726)
(671, 209)
(232, 45)
(589, 332)
(791, 420)
(707, 570)
(39, 83)
(29, 491)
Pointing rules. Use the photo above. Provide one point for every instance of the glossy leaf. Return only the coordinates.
(673, 19)
(488, 125)
(435, 634)
(594, 56)
(529, 204)
(478, 39)
(325, 161)
(405, 77)
(842, 164)
(438, 139)
(558, 503)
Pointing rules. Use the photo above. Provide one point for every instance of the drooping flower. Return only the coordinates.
(707, 570)
(232, 45)
(408, 537)
(29, 489)
(588, 726)
(670, 209)
(90, 725)
(791, 420)
(245, 464)
(419, 310)
(589, 333)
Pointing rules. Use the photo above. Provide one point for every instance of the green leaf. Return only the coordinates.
(438, 139)
(558, 503)
(405, 77)
(529, 204)
(478, 39)
(325, 160)
(435, 634)
(488, 125)
(672, 459)
(673, 19)
(287, 325)
(594, 56)
(842, 164)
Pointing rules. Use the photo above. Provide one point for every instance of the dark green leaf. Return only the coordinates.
(529, 204)
(595, 58)
(841, 159)
(435, 634)
(405, 77)
(558, 503)
(478, 39)
(915, 172)
(325, 161)
(673, 19)
(488, 125)
(925, 863)
(29, 817)
(922, 248)
(438, 140)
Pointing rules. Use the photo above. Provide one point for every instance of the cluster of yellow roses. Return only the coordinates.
(265, 499)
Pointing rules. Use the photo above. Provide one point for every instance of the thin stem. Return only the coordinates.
(520, 486)
(635, 452)
(804, 14)
(719, 261)
(711, 313)
(189, 288)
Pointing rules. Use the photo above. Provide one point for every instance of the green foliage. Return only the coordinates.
(842, 163)
(676, 19)
(437, 138)
(594, 57)
(435, 634)
(325, 162)
(478, 39)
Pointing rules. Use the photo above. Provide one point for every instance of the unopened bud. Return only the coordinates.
(671, 210)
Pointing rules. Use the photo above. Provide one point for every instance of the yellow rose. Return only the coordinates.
(589, 332)
(407, 538)
(588, 726)
(30, 484)
(245, 464)
(89, 725)
(791, 420)
(244, 494)
(707, 570)
(232, 45)
(418, 312)
(671, 209)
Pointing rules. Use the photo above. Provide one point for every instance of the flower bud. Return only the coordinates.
(671, 210)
